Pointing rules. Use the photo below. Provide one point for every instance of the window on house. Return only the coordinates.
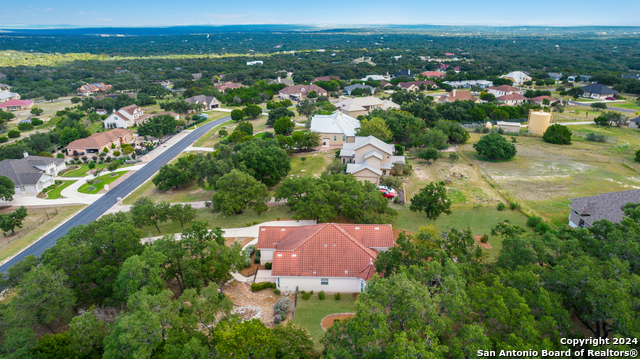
(278, 282)
(344, 138)
(384, 172)
(324, 281)
(335, 138)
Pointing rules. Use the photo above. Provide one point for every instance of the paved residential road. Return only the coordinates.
(97, 208)
(608, 107)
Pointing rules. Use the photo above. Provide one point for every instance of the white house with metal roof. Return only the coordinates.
(369, 158)
(518, 77)
(335, 129)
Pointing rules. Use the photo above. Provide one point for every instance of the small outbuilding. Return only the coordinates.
(509, 127)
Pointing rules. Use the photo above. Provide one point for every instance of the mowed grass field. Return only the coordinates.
(309, 313)
(543, 177)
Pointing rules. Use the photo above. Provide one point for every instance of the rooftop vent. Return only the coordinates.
(294, 255)
(282, 230)
(357, 228)
(377, 228)
(279, 254)
(263, 229)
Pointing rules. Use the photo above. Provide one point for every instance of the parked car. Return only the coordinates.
(610, 98)
(387, 194)
(388, 189)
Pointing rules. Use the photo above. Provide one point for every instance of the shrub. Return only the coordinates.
(303, 159)
(336, 296)
(276, 291)
(637, 155)
(558, 135)
(485, 130)
(305, 295)
(495, 147)
(501, 206)
(4, 139)
(267, 265)
(60, 155)
(596, 137)
(247, 262)
(260, 286)
(116, 153)
(514, 206)
(13, 134)
(321, 295)
(250, 249)
(533, 221)
(37, 122)
(282, 306)
(25, 126)
(541, 228)
(484, 239)
(256, 259)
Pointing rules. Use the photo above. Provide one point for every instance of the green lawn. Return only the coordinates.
(313, 163)
(104, 180)
(309, 313)
(627, 105)
(222, 221)
(56, 192)
(82, 171)
(480, 220)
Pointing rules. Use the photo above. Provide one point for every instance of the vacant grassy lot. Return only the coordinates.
(543, 177)
(223, 221)
(314, 163)
(480, 220)
(211, 138)
(37, 224)
(101, 182)
(56, 192)
(309, 313)
(191, 193)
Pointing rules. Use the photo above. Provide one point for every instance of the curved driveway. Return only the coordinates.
(95, 210)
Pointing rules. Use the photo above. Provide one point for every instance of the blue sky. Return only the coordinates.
(132, 13)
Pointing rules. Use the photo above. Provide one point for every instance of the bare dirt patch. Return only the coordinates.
(483, 245)
(328, 321)
(242, 296)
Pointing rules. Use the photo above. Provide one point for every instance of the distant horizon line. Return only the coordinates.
(318, 25)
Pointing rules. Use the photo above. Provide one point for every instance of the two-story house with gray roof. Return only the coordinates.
(31, 174)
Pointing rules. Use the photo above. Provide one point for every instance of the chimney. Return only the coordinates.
(409, 72)
(25, 154)
(454, 93)
(279, 79)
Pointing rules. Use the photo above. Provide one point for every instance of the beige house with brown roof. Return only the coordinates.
(98, 142)
(299, 92)
(327, 257)
(355, 107)
(458, 95)
(335, 129)
(369, 158)
(228, 85)
(90, 89)
(209, 102)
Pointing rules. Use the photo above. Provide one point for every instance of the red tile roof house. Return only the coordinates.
(457, 95)
(512, 100)
(433, 74)
(97, 142)
(538, 100)
(228, 85)
(504, 90)
(325, 78)
(327, 256)
(299, 92)
(89, 89)
(16, 105)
